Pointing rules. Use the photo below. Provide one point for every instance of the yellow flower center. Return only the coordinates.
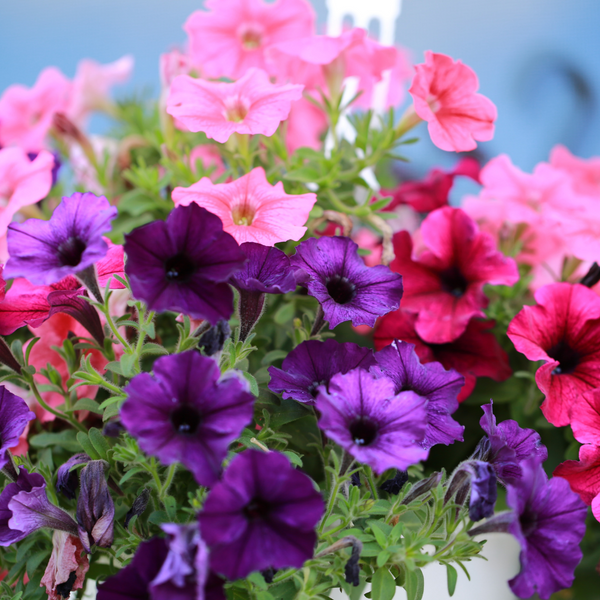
(242, 214)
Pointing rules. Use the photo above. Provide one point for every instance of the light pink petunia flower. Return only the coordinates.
(250, 105)
(232, 38)
(173, 63)
(444, 95)
(92, 83)
(252, 210)
(584, 173)
(26, 113)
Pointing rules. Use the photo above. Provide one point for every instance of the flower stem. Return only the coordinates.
(371, 482)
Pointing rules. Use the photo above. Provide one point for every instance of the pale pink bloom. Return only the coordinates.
(232, 38)
(173, 63)
(252, 210)
(92, 84)
(85, 173)
(585, 173)
(444, 95)
(209, 156)
(67, 556)
(26, 113)
(367, 240)
(250, 105)
(305, 126)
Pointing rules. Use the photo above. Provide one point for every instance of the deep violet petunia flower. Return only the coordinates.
(268, 271)
(251, 209)
(187, 412)
(250, 105)
(182, 264)
(440, 387)
(444, 95)
(563, 330)
(444, 284)
(25, 508)
(67, 479)
(379, 427)
(44, 252)
(313, 363)
(346, 288)
(232, 37)
(507, 445)
(261, 514)
(14, 417)
(478, 479)
(476, 353)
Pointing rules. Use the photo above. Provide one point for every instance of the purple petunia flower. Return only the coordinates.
(45, 252)
(187, 412)
(364, 415)
(347, 289)
(25, 508)
(400, 363)
(268, 271)
(182, 264)
(261, 514)
(14, 416)
(507, 445)
(67, 481)
(313, 363)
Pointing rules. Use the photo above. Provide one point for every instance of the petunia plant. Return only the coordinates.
(243, 357)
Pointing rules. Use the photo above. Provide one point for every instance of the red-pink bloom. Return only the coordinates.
(585, 174)
(444, 95)
(92, 83)
(444, 284)
(251, 209)
(250, 105)
(563, 330)
(476, 353)
(68, 556)
(584, 476)
(26, 113)
(432, 192)
(232, 38)
(585, 418)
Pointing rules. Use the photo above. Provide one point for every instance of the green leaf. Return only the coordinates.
(379, 536)
(34, 561)
(127, 361)
(294, 458)
(383, 586)
(88, 447)
(99, 442)
(87, 404)
(253, 385)
(257, 579)
(289, 411)
(271, 357)
(171, 507)
(414, 585)
(452, 577)
(131, 473)
(284, 314)
(66, 439)
(303, 174)
(151, 348)
(382, 558)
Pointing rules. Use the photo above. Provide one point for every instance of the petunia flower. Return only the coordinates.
(233, 36)
(563, 330)
(477, 479)
(66, 568)
(182, 264)
(67, 480)
(440, 387)
(444, 95)
(14, 418)
(250, 105)
(251, 209)
(585, 418)
(26, 113)
(187, 412)
(584, 173)
(379, 427)
(444, 284)
(261, 514)
(45, 252)
(347, 290)
(268, 271)
(476, 353)
(313, 363)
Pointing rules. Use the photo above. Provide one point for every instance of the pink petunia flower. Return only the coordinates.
(26, 113)
(563, 330)
(252, 210)
(209, 157)
(584, 173)
(232, 38)
(444, 95)
(173, 63)
(92, 83)
(444, 284)
(250, 105)
(306, 125)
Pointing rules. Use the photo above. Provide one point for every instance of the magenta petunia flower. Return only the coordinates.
(45, 252)
(251, 209)
(187, 412)
(182, 264)
(444, 284)
(585, 418)
(233, 36)
(400, 363)
(563, 330)
(347, 289)
(444, 95)
(261, 514)
(313, 363)
(250, 105)
(379, 427)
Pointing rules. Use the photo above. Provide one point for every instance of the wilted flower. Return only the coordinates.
(67, 480)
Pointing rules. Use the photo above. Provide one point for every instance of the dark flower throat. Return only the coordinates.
(341, 289)
(186, 420)
(454, 282)
(566, 356)
(363, 432)
(71, 251)
(179, 268)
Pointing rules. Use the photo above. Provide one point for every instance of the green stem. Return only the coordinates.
(115, 331)
(371, 482)
(168, 480)
(330, 504)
